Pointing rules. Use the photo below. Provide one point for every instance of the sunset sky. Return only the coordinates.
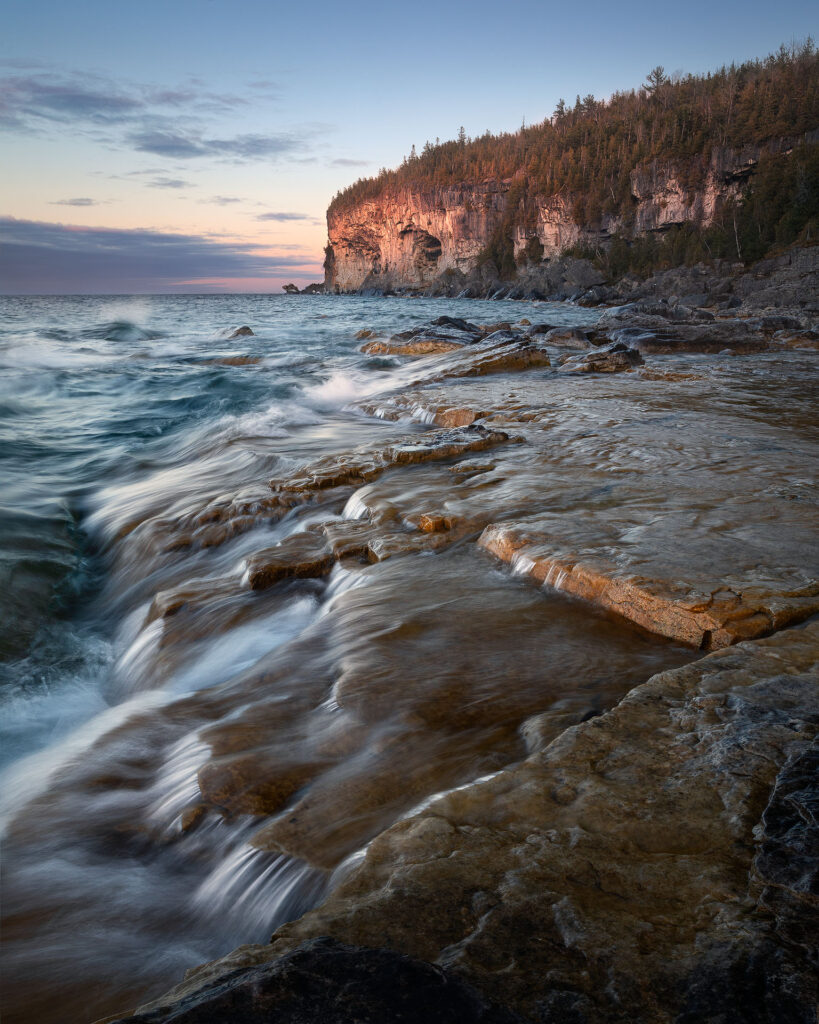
(193, 145)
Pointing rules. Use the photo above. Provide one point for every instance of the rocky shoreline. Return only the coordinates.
(788, 281)
(654, 859)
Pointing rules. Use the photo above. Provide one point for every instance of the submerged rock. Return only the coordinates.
(241, 332)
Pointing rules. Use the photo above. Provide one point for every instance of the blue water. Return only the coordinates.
(118, 414)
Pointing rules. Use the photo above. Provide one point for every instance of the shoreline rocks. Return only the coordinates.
(787, 282)
(648, 856)
(649, 864)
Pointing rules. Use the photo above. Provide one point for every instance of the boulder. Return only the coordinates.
(240, 332)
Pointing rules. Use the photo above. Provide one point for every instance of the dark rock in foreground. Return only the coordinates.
(325, 982)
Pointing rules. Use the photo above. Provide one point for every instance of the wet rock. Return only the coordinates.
(606, 877)
(327, 981)
(611, 358)
(802, 339)
(301, 556)
(291, 289)
(568, 337)
(772, 323)
(630, 563)
(786, 867)
(597, 296)
(501, 325)
(653, 335)
(365, 464)
(444, 334)
(422, 345)
(432, 523)
(456, 322)
(499, 352)
(253, 782)
(241, 332)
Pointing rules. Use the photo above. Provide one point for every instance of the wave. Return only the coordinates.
(120, 330)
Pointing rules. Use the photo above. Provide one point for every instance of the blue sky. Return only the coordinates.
(193, 145)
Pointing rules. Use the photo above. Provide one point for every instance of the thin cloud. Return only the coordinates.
(343, 161)
(222, 200)
(163, 182)
(187, 145)
(39, 256)
(168, 144)
(79, 201)
(284, 216)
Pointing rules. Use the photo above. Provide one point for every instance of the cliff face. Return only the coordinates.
(410, 236)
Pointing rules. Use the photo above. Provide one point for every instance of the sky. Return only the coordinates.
(193, 145)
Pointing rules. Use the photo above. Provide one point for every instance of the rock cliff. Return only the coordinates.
(409, 236)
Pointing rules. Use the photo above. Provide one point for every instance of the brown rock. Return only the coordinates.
(300, 556)
(639, 572)
(415, 347)
(254, 782)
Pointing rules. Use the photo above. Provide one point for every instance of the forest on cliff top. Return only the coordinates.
(766, 110)
(589, 150)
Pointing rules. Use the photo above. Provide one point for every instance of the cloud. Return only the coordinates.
(343, 161)
(163, 182)
(187, 145)
(175, 124)
(39, 257)
(79, 201)
(284, 216)
(28, 99)
(169, 144)
(222, 200)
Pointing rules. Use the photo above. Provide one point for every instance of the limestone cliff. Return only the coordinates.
(409, 236)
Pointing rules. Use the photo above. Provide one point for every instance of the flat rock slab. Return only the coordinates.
(638, 564)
